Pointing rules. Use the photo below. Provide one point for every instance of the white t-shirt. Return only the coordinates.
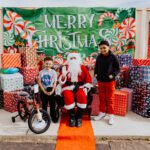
(48, 77)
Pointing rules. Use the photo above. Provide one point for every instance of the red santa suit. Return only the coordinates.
(84, 81)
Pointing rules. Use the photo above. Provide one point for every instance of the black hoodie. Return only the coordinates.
(105, 66)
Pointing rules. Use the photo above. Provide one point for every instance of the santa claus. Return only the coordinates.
(75, 81)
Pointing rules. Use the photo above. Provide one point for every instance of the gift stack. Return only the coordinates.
(140, 82)
(29, 65)
(125, 61)
(10, 82)
(141, 98)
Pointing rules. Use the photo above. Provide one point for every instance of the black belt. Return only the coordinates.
(74, 83)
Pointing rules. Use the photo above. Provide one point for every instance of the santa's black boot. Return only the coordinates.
(72, 120)
(79, 115)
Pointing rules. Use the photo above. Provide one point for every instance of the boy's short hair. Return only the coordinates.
(104, 42)
(48, 59)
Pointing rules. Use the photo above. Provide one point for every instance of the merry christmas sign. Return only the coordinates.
(60, 30)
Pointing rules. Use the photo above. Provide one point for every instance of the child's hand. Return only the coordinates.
(45, 92)
(50, 93)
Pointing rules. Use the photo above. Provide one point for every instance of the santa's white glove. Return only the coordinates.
(85, 91)
(88, 86)
(58, 90)
(64, 71)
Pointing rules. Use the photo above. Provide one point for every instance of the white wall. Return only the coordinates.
(75, 3)
(1, 34)
(142, 21)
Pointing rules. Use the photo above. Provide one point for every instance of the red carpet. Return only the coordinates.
(73, 138)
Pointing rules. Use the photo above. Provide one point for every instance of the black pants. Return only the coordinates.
(49, 99)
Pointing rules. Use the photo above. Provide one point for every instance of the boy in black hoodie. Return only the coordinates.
(106, 69)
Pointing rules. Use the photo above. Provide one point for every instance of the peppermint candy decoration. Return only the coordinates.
(59, 61)
(121, 41)
(94, 54)
(111, 35)
(127, 28)
(106, 15)
(13, 22)
(119, 10)
(41, 56)
(8, 39)
(131, 40)
(11, 50)
(29, 30)
(90, 61)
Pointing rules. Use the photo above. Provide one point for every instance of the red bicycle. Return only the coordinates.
(38, 119)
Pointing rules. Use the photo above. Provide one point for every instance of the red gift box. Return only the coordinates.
(141, 62)
(30, 74)
(10, 100)
(120, 103)
(28, 56)
(130, 93)
(95, 105)
(11, 60)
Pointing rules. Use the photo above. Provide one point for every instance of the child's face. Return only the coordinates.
(48, 64)
(104, 49)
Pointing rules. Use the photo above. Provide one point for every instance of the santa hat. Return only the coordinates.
(76, 55)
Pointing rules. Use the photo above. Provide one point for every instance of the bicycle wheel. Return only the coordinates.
(36, 126)
(22, 110)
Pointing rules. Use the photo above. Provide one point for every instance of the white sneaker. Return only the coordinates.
(100, 116)
(39, 124)
(111, 120)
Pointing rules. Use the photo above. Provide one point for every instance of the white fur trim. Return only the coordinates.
(81, 105)
(71, 106)
(68, 88)
(87, 85)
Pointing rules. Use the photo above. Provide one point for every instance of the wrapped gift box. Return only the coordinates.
(141, 98)
(29, 74)
(28, 56)
(120, 103)
(11, 99)
(1, 99)
(141, 62)
(125, 59)
(140, 73)
(11, 82)
(95, 105)
(130, 94)
(11, 60)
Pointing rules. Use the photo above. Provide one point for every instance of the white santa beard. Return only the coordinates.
(74, 69)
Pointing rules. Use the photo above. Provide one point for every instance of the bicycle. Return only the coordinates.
(38, 119)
